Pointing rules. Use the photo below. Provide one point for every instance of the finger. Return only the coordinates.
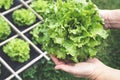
(64, 67)
(56, 60)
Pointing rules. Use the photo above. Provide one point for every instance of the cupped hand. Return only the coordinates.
(92, 68)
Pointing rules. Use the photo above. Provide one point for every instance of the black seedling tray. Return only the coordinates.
(4, 72)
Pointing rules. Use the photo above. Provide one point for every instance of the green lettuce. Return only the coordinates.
(6, 4)
(72, 29)
(5, 29)
(18, 50)
(23, 17)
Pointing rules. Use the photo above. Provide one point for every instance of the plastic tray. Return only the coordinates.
(11, 69)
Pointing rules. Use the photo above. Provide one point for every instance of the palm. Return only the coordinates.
(82, 69)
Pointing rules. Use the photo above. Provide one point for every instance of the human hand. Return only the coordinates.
(92, 68)
(105, 15)
(82, 69)
(111, 18)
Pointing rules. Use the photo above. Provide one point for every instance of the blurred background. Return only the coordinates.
(110, 55)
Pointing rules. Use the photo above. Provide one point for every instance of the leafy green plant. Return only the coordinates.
(107, 4)
(41, 7)
(45, 71)
(17, 50)
(5, 30)
(30, 73)
(72, 30)
(23, 17)
(6, 4)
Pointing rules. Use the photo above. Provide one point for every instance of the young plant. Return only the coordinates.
(5, 30)
(72, 30)
(23, 17)
(6, 4)
(17, 50)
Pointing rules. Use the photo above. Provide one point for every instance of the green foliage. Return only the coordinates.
(30, 73)
(23, 17)
(107, 4)
(17, 50)
(113, 49)
(5, 30)
(74, 33)
(6, 4)
(41, 6)
(45, 71)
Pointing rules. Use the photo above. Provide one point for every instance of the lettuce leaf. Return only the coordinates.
(6, 4)
(5, 29)
(72, 29)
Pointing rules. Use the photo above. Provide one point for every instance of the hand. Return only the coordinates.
(92, 68)
(111, 18)
(82, 69)
(105, 14)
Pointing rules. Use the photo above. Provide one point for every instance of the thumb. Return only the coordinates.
(64, 67)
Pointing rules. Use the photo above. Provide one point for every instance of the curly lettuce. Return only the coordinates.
(72, 29)
(23, 17)
(6, 4)
(18, 50)
(5, 29)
